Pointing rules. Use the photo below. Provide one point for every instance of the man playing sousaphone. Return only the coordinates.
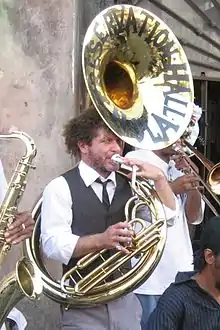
(126, 51)
(83, 212)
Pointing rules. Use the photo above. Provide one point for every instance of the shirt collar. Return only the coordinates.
(89, 175)
(183, 277)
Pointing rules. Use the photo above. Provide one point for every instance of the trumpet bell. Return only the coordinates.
(138, 76)
(213, 179)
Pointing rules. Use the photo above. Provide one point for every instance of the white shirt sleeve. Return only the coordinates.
(3, 183)
(57, 239)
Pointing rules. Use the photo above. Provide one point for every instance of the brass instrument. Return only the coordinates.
(16, 187)
(212, 183)
(25, 280)
(93, 289)
(129, 58)
(213, 178)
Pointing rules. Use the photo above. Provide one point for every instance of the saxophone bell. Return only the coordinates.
(25, 281)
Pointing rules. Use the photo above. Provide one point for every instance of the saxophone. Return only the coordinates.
(25, 280)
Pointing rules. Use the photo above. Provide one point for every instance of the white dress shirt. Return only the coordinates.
(178, 253)
(57, 238)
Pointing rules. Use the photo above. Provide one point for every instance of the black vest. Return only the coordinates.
(90, 216)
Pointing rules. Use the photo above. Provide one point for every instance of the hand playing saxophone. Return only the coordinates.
(21, 228)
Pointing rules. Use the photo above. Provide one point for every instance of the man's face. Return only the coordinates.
(216, 272)
(213, 267)
(168, 152)
(99, 152)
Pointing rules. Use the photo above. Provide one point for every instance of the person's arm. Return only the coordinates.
(194, 207)
(161, 184)
(189, 184)
(58, 241)
(169, 312)
(165, 193)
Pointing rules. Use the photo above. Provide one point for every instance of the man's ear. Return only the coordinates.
(83, 147)
(209, 256)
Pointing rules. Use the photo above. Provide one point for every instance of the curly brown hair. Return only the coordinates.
(82, 128)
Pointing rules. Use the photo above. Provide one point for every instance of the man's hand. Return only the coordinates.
(21, 228)
(184, 184)
(184, 164)
(152, 172)
(146, 170)
(117, 236)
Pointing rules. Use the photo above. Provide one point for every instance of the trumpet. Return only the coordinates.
(212, 182)
(213, 178)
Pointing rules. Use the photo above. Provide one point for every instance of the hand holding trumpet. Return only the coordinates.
(185, 183)
(189, 181)
(183, 163)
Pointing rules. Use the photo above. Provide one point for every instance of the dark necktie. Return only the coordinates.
(105, 198)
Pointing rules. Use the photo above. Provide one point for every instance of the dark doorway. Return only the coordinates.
(207, 95)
